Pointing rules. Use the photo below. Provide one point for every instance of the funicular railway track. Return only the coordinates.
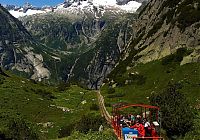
(102, 108)
(104, 111)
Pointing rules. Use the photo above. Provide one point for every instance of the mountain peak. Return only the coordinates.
(129, 6)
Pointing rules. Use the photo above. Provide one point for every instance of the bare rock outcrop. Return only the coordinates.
(164, 26)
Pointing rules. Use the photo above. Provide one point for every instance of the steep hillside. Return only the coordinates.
(161, 28)
(165, 26)
(94, 65)
(163, 53)
(63, 32)
(18, 49)
(141, 83)
(66, 38)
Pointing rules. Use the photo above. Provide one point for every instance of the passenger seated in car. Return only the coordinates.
(122, 121)
(129, 117)
(132, 117)
(138, 117)
(147, 127)
(154, 132)
(140, 128)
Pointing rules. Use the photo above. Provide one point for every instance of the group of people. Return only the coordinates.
(142, 125)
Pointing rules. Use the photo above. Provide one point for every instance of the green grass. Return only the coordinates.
(158, 76)
(39, 104)
(107, 134)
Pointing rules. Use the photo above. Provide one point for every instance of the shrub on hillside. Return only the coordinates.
(63, 86)
(177, 116)
(195, 133)
(117, 95)
(107, 104)
(89, 122)
(137, 78)
(106, 134)
(20, 129)
(120, 80)
(1, 80)
(111, 96)
(176, 57)
(44, 93)
(66, 130)
(111, 90)
(94, 107)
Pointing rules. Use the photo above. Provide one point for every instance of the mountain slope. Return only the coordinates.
(86, 45)
(164, 52)
(63, 32)
(36, 111)
(139, 84)
(165, 26)
(93, 66)
(17, 48)
(73, 31)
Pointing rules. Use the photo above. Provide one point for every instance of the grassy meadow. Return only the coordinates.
(49, 112)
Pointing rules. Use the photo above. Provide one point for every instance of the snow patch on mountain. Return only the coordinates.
(18, 13)
(105, 2)
(131, 6)
(77, 7)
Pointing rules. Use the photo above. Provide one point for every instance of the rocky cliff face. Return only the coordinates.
(86, 45)
(17, 49)
(66, 36)
(63, 32)
(93, 66)
(164, 26)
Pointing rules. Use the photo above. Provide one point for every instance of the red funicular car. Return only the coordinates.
(144, 123)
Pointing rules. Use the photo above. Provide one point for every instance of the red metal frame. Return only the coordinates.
(116, 117)
(138, 105)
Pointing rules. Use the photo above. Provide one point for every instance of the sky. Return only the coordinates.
(33, 2)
